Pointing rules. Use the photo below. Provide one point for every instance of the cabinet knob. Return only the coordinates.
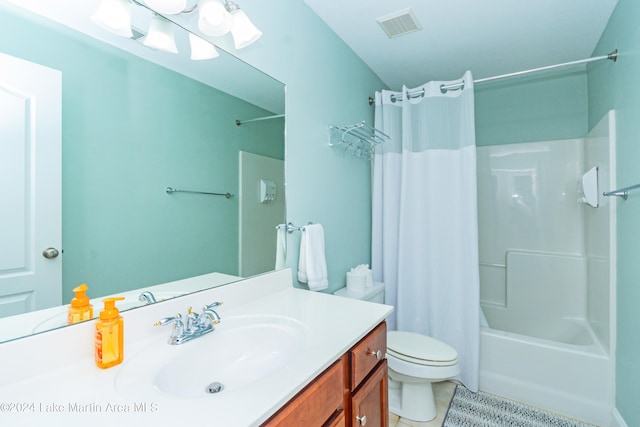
(376, 354)
(362, 419)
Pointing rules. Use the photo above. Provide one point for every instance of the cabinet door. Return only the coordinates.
(339, 421)
(369, 404)
(319, 404)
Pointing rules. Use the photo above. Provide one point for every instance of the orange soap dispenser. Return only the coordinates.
(109, 345)
(80, 308)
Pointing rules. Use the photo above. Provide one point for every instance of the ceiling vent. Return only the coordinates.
(399, 23)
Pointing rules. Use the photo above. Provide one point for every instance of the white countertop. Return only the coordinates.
(51, 378)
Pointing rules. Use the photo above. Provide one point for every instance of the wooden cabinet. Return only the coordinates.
(352, 392)
(368, 385)
(369, 404)
(321, 403)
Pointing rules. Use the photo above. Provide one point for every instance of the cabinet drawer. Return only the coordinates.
(317, 403)
(365, 355)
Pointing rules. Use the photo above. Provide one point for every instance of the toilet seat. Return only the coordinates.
(420, 349)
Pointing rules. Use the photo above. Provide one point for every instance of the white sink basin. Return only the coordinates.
(239, 352)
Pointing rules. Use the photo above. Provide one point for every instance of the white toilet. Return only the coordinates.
(415, 361)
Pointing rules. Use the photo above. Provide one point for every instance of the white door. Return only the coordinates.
(30, 186)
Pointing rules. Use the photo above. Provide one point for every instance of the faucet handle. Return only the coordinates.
(169, 320)
(213, 305)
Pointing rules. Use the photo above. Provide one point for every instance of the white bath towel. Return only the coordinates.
(281, 248)
(312, 265)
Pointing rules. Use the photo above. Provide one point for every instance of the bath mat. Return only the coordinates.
(468, 409)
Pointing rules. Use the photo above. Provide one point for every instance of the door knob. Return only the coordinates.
(50, 253)
(362, 419)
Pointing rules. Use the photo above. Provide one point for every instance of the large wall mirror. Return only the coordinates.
(135, 121)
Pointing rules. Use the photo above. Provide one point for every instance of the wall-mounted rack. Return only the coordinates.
(290, 227)
(170, 190)
(622, 192)
(361, 139)
(258, 119)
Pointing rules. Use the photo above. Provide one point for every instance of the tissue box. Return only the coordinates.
(359, 277)
(356, 281)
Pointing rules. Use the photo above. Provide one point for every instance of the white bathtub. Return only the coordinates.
(572, 378)
(547, 274)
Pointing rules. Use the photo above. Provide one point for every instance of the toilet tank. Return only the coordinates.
(374, 293)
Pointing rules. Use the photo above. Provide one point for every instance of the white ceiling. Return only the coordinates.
(489, 37)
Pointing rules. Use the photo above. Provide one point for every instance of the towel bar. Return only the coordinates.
(622, 192)
(290, 227)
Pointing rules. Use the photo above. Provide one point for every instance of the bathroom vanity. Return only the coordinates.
(351, 392)
(284, 356)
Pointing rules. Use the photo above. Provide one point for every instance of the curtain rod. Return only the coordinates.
(613, 56)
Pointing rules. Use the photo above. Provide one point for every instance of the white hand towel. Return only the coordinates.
(312, 265)
(281, 248)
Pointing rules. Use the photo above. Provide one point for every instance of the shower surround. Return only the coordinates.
(547, 288)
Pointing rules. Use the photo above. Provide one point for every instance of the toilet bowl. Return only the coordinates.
(415, 362)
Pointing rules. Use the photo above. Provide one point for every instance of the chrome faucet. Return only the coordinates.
(196, 324)
(147, 297)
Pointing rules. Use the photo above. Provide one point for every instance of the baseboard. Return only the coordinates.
(617, 420)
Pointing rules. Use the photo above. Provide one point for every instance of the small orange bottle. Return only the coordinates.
(109, 343)
(80, 308)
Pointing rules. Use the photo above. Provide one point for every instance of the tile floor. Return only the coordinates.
(443, 392)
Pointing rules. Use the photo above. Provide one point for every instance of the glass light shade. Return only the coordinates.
(213, 19)
(201, 49)
(170, 7)
(114, 16)
(243, 31)
(161, 35)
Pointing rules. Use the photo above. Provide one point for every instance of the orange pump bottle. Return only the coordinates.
(109, 342)
(80, 308)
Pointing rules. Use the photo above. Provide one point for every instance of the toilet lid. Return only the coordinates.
(420, 349)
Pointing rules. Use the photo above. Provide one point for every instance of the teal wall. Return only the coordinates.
(538, 107)
(131, 128)
(617, 87)
(326, 84)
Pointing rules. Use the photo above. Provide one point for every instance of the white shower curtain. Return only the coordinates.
(425, 228)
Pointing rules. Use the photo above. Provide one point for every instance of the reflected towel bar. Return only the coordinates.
(170, 190)
(277, 116)
(623, 192)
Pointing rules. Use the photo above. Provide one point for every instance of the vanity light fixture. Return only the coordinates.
(201, 49)
(114, 16)
(161, 35)
(243, 31)
(213, 18)
(170, 7)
